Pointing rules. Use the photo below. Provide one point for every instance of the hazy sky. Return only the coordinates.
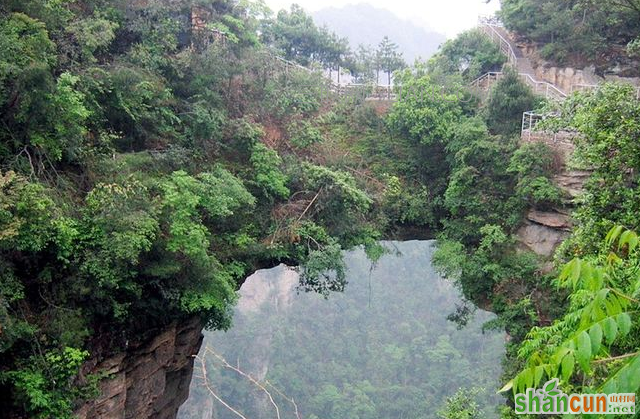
(449, 17)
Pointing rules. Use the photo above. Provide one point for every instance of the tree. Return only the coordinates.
(471, 54)
(461, 405)
(389, 58)
(295, 34)
(608, 121)
(133, 165)
(363, 63)
(426, 112)
(576, 32)
(509, 98)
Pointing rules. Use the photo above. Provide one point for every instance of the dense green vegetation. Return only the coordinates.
(359, 354)
(594, 344)
(471, 54)
(579, 32)
(153, 154)
(477, 182)
(147, 167)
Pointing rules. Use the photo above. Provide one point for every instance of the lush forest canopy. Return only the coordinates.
(153, 154)
(148, 166)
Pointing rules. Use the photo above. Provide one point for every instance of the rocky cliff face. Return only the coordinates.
(150, 380)
(543, 231)
(569, 79)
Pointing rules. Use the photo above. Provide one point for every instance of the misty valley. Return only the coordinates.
(383, 348)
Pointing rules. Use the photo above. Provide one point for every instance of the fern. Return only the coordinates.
(602, 312)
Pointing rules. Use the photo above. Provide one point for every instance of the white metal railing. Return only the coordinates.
(487, 79)
(548, 90)
(583, 87)
(505, 46)
(369, 91)
(490, 20)
(287, 63)
(529, 121)
(542, 87)
(489, 25)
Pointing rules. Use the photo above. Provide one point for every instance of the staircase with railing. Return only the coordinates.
(494, 29)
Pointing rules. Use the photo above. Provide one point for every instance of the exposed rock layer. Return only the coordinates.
(569, 79)
(150, 380)
(542, 231)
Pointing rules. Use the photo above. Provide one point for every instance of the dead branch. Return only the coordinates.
(284, 396)
(310, 204)
(245, 375)
(205, 381)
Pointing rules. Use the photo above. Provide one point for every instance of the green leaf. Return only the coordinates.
(633, 242)
(527, 378)
(575, 273)
(610, 328)
(630, 239)
(624, 323)
(568, 364)
(613, 234)
(583, 351)
(587, 276)
(625, 380)
(506, 387)
(595, 334)
(570, 272)
(538, 373)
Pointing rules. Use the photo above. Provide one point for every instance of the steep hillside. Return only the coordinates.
(155, 153)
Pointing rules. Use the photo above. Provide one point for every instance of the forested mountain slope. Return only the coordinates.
(603, 34)
(382, 348)
(153, 154)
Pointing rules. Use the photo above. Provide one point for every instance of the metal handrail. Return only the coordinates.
(488, 75)
(490, 20)
(529, 119)
(550, 91)
(505, 46)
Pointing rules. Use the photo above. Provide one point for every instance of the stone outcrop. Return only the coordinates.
(569, 79)
(572, 181)
(542, 232)
(150, 380)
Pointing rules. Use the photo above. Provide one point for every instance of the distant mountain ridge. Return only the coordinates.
(365, 24)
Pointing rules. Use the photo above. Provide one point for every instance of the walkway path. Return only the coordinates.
(517, 60)
(523, 64)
